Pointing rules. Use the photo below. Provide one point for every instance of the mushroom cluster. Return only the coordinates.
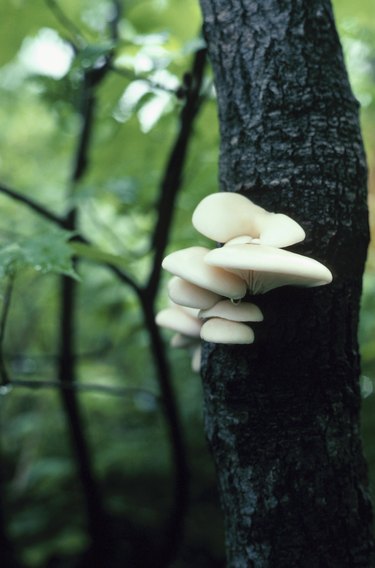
(186, 325)
(251, 260)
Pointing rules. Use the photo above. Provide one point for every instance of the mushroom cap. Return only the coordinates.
(179, 321)
(189, 264)
(196, 359)
(265, 268)
(224, 216)
(187, 294)
(225, 309)
(217, 330)
(279, 230)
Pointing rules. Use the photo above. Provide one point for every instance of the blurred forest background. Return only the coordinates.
(97, 110)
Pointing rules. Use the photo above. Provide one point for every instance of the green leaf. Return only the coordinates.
(46, 252)
(10, 259)
(89, 56)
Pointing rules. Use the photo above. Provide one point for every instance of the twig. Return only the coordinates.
(95, 511)
(120, 273)
(83, 387)
(170, 185)
(153, 84)
(94, 354)
(172, 179)
(115, 19)
(31, 204)
(175, 520)
(65, 223)
(8, 556)
(6, 546)
(4, 377)
(67, 23)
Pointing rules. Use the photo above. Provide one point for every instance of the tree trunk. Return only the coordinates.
(282, 415)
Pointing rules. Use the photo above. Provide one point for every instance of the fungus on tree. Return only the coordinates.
(251, 261)
(189, 264)
(178, 320)
(218, 330)
(223, 216)
(186, 325)
(264, 268)
(185, 293)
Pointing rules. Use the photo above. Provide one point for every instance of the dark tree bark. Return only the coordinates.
(282, 415)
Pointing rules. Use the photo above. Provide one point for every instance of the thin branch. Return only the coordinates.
(66, 368)
(8, 556)
(114, 21)
(171, 183)
(119, 272)
(153, 84)
(4, 377)
(83, 387)
(78, 41)
(33, 205)
(172, 179)
(62, 222)
(94, 354)
(175, 520)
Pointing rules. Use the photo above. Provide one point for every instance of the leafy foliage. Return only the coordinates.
(46, 252)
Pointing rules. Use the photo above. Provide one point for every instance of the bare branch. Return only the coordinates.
(4, 377)
(175, 521)
(153, 84)
(77, 41)
(33, 205)
(114, 21)
(172, 178)
(83, 387)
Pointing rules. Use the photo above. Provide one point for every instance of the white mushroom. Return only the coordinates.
(187, 294)
(217, 330)
(225, 309)
(279, 230)
(264, 268)
(179, 321)
(185, 322)
(224, 216)
(189, 264)
(196, 359)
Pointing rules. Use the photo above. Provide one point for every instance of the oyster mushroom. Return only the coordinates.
(264, 268)
(223, 216)
(187, 294)
(185, 323)
(179, 321)
(196, 359)
(218, 330)
(190, 265)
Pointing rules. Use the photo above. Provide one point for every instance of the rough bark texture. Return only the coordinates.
(282, 415)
